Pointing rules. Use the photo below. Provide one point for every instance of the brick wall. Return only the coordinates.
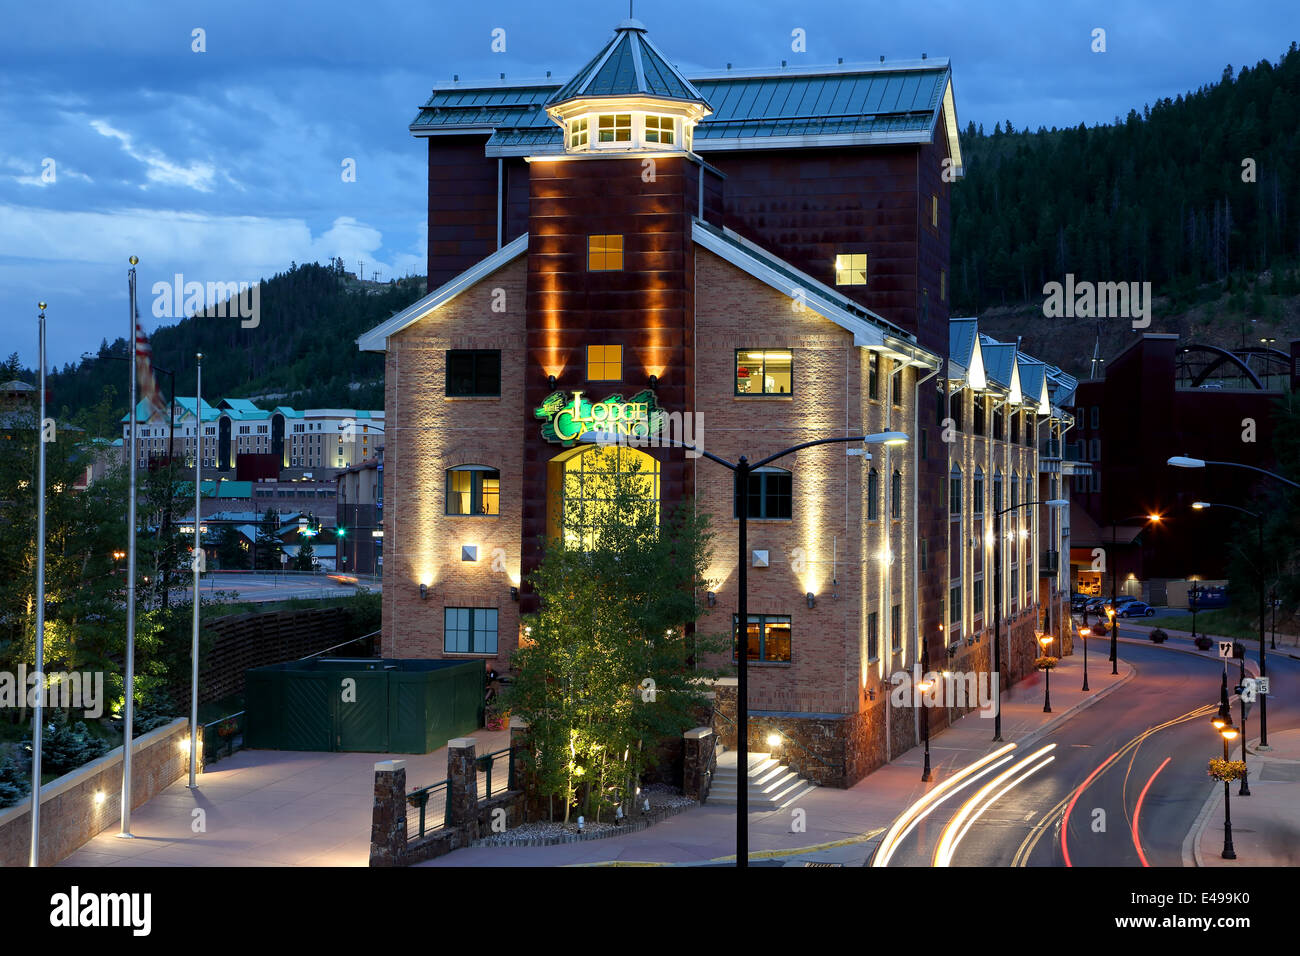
(70, 812)
(427, 433)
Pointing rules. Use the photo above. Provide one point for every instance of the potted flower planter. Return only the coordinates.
(1203, 642)
(1158, 636)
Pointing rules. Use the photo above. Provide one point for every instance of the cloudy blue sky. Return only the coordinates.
(225, 165)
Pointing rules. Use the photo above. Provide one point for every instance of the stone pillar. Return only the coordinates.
(697, 762)
(462, 780)
(388, 815)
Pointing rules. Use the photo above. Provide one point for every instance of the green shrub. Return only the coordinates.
(66, 747)
(15, 782)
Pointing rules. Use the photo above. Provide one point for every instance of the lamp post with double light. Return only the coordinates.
(1259, 570)
(997, 601)
(1228, 733)
(742, 468)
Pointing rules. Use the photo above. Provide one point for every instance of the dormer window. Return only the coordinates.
(578, 133)
(615, 128)
(659, 129)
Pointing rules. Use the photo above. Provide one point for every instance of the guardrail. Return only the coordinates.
(420, 799)
(485, 764)
(228, 735)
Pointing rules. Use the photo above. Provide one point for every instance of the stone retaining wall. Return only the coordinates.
(81, 804)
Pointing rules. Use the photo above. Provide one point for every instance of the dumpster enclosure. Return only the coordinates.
(376, 706)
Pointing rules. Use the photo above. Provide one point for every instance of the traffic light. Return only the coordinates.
(342, 532)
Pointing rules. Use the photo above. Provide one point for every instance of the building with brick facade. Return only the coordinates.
(765, 255)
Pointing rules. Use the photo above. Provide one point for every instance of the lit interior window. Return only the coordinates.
(604, 253)
(659, 129)
(604, 363)
(768, 372)
(578, 133)
(851, 269)
(614, 128)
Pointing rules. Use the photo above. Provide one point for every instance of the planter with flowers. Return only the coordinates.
(1046, 663)
(1227, 771)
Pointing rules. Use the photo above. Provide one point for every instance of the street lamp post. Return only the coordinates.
(924, 687)
(1228, 732)
(1112, 566)
(1083, 633)
(741, 469)
(997, 602)
(1259, 570)
(1046, 641)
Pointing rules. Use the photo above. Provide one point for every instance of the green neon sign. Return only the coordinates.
(567, 417)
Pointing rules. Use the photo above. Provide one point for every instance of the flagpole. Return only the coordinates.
(198, 564)
(38, 713)
(128, 717)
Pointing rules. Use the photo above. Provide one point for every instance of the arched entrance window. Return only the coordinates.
(583, 483)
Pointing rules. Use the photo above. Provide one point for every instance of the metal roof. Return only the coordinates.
(856, 104)
(628, 65)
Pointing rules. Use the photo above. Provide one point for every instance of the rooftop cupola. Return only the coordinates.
(628, 98)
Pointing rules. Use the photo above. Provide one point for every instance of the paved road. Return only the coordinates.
(279, 587)
(1150, 737)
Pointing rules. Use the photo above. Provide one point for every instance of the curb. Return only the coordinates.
(1203, 655)
(1081, 705)
(635, 826)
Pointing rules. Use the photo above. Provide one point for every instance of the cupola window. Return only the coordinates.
(615, 128)
(659, 129)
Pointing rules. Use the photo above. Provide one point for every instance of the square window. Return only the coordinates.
(470, 630)
(614, 128)
(659, 129)
(472, 490)
(604, 363)
(604, 253)
(851, 268)
(769, 495)
(474, 373)
(769, 372)
(767, 638)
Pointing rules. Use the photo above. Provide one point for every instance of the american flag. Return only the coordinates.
(145, 381)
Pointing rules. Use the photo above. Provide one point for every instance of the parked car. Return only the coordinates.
(1120, 602)
(1077, 601)
(1135, 609)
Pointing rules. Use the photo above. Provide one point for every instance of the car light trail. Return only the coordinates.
(1137, 811)
(923, 807)
(974, 808)
(1065, 820)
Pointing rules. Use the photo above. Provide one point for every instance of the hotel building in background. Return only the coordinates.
(768, 250)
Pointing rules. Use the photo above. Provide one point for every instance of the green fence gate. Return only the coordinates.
(374, 706)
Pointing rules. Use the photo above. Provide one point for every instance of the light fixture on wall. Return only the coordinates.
(550, 381)
(812, 601)
(711, 598)
(514, 593)
(469, 552)
(424, 592)
(654, 382)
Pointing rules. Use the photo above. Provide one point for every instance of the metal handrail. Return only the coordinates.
(491, 759)
(336, 646)
(230, 741)
(420, 799)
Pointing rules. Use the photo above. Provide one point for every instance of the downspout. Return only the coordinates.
(500, 197)
(916, 490)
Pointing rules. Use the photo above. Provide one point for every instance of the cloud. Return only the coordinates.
(160, 169)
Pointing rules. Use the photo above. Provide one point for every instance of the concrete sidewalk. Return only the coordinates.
(1266, 824)
(268, 808)
(827, 825)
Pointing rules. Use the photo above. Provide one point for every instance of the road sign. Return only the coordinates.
(1225, 649)
(1261, 685)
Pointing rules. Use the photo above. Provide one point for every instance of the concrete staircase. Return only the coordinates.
(772, 786)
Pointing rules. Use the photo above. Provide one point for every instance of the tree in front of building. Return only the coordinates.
(606, 669)
(232, 554)
(269, 548)
(305, 559)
